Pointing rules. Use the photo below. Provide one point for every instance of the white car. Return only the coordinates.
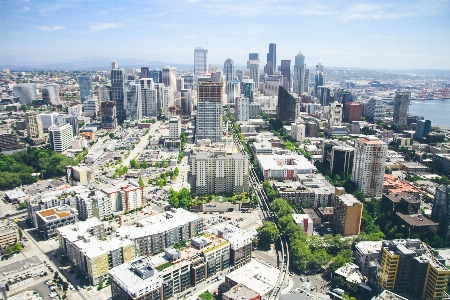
(53, 294)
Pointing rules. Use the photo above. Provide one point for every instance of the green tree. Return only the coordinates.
(20, 234)
(9, 250)
(134, 164)
(141, 182)
(156, 164)
(268, 233)
(388, 170)
(144, 165)
(281, 207)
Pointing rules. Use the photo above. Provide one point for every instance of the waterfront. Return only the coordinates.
(438, 111)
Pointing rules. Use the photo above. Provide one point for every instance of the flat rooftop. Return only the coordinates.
(368, 247)
(20, 265)
(416, 220)
(74, 232)
(95, 247)
(51, 214)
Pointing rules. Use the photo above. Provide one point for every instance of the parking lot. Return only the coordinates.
(244, 220)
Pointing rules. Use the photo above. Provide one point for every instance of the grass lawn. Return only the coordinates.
(206, 296)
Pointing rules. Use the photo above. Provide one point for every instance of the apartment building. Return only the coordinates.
(49, 220)
(125, 196)
(347, 215)
(209, 111)
(369, 165)
(216, 173)
(8, 235)
(158, 232)
(284, 166)
(365, 253)
(93, 204)
(61, 137)
(34, 125)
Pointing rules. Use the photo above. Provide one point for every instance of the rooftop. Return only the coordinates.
(416, 220)
(368, 247)
(59, 212)
(286, 161)
(76, 231)
(371, 140)
(20, 265)
(348, 199)
(94, 247)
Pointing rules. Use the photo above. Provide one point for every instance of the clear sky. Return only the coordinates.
(407, 34)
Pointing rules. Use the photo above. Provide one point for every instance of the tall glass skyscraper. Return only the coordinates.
(285, 69)
(134, 101)
(118, 93)
(271, 59)
(299, 74)
(228, 70)
(85, 87)
(209, 111)
(200, 60)
(156, 75)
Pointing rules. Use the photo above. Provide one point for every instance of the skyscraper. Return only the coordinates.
(50, 94)
(169, 77)
(441, 212)
(233, 90)
(60, 137)
(423, 128)
(319, 81)
(33, 124)
(369, 165)
(401, 108)
(299, 73)
(287, 106)
(85, 82)
(254, 72)
(108, 114)
(228, 70)
(271, 65)
(156, 75)
(200, 60)
(134, 101)
(324, 95)
(253, 56)
(145, 73)
(209, 111)
(286, 72)
(114, 65)
(26, 92)
(149, 98)
(248, 88)
(118, 93)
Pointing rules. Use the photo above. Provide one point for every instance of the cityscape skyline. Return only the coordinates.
(407, 35)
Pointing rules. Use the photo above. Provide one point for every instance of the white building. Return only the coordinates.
(366, 252)
(26, 92)
(335, 115)
(284, 166)
(134, 102)
(298, 131)
(61, 137)
(149, 98)
(241, 108)
(369, 165)
(375, 110)
(48, 120)
(209, 111)
(91, 105)
(96, 204)
(50, 94)
(304, 221)
(169, 77)
(174, 127)
(254, 72)
(75, 110)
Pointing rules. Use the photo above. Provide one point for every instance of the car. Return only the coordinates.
(78, 287)
(53, 294)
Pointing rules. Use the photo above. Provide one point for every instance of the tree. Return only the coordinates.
(9, 250)
(141, 182)
(268, 233)
(144, 165)
(17, 247)
(134, 164)
(156, 164)
(388, 170)
(20, 234)
(223, 288)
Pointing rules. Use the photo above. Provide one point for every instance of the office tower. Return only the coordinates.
(299, 74)
(352, 111)
(33, 124)
(287, 106)
(306, 81)
(167, 100)
(254, 73)
(241, 108)
(186, 101)
(233, 90)
(169, 77)
(344, 96)
(441, 212)
(160, 94)
(60, 137)
(423, 128)
(174, 127)
(145, 73)
(200, 61)
(412, 267)
(209, 111)
(149, 98)
(134, 101)
(189, 81)
(214, 68)
(85, 87)
(104, 93)
(248, 88)
(298, 131)
(26, 92)
(271, 65)
(319, 78)
(253, 56)
(347, 215)
(180, 83)
(108, 114)
(114, 65)
(156, 75)
(50, 94)
(335, 117)
(254, 110)
(62, 119)
(285, 69)
(323, 95)
(401, 108)
(48, 120)
(118, 93)
(217, 174)
(369, 165)
(228, 70)
(375, 110)
(337, 157)
(271, 85)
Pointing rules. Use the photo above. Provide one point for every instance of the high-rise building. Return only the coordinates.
(145, 73)
(216, 174)
(410, 266)
(337, 157)
(180, 83)
(168, 100)
(228, 70)
(253, 56)
(118, 93)
(375, 110)
(85, 82)
(369, 165)
(401, 108)
(324, 95)
(134, 101)
(254, 72)
(200, 60)
(156, 75)
(174, 127)
(347, 215)
(352, 111)
(319, 67)
(271, 59)
(186, 101)
(26, 92)
(423, 128)
(272, 84)
(285, 69)
(209, 111)
(306, 81)
(441, 212)
(298, 131)
(287, 106)
(169, 77)
(233, 90)
(114, 65)
(34, 125)
(108, 114)
(189, 81)
(50, 94)
(241, 108)
(248, 89)
(149, 98)
(335, 117)
(299, 74)
(61, 137)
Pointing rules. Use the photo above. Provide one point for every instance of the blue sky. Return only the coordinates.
(365, 34)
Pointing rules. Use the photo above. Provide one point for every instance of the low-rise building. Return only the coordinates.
(81, 175)
(366, 252)
(22, 272)
(284, 166)
(304, 221)
(8, 235)
(49, 220)
(240, 291)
